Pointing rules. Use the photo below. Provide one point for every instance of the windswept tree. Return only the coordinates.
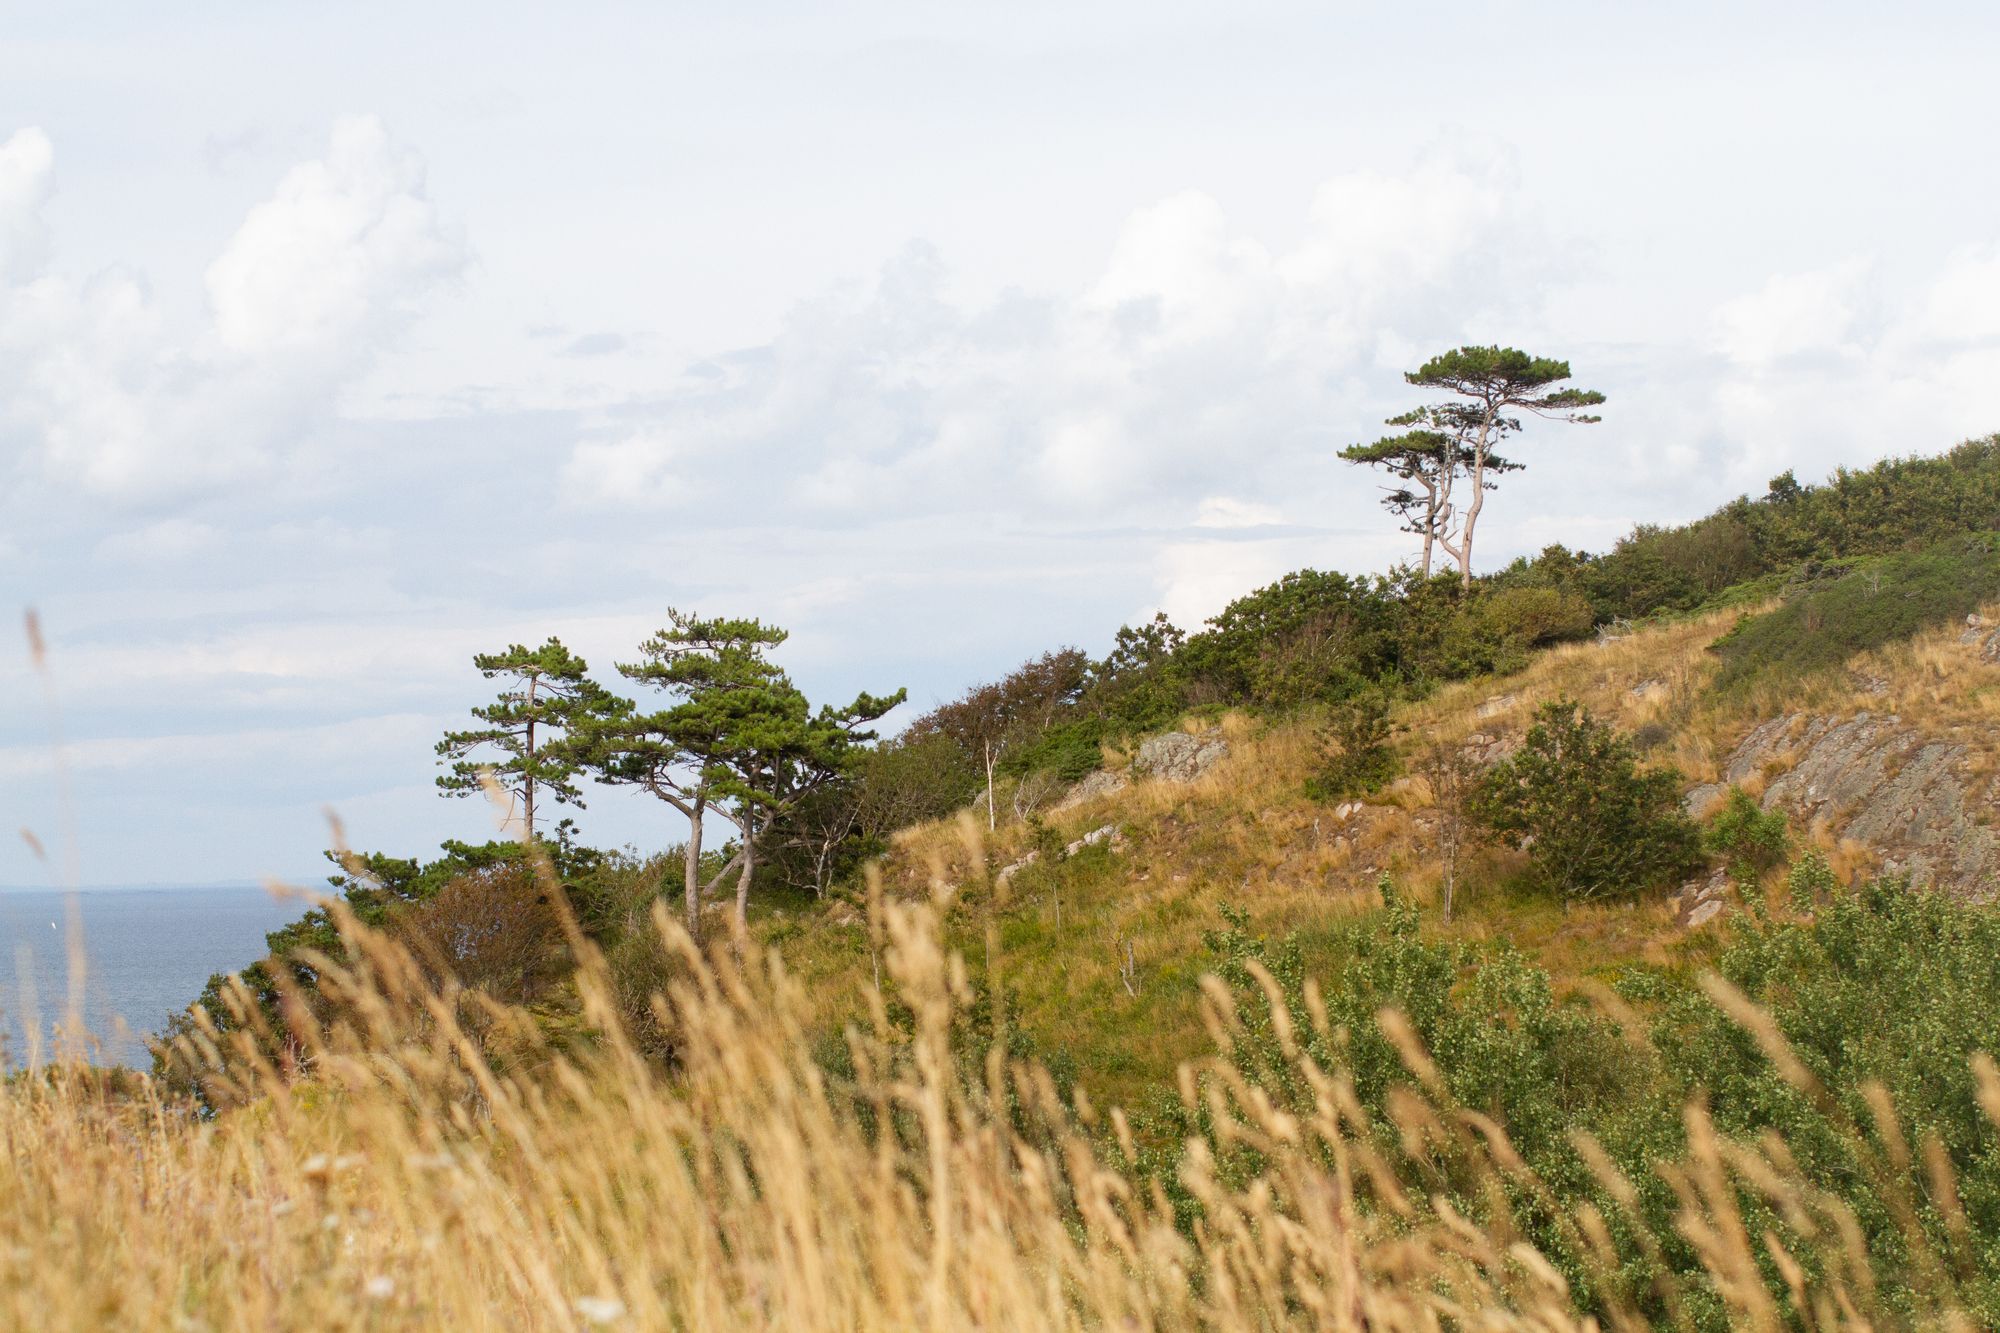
(737, 739)
(1424, 463)
(1448, 460)
(546, 696)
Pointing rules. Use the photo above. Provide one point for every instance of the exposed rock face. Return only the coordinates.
(1174, 756)
(1985, 636)
(1486, 749)
(1700, 901)
(1883, 783)
(1178, 757)
(1704, 800)
(1101, 783)
(1108, 834)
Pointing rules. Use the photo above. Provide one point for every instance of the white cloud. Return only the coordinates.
(27, 179)
(1195, 359)
(638, 470)
(102, 388)
(168, 539)
(1963, 303)
(337, 257)
(1223, 511)
(1836, 367)
(247, 748)
(1794, 314)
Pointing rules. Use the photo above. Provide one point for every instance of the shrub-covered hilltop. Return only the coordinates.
(1606, 938)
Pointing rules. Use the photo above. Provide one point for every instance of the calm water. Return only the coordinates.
(150, 952)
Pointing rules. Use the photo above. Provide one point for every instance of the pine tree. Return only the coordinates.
(739, 739)
(546, 695)
(1454, 442)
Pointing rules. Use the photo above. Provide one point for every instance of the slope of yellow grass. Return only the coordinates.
(414, 1182)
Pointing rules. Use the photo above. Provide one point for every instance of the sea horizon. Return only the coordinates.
(148, 949)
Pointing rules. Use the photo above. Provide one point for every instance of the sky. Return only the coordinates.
(340, 343)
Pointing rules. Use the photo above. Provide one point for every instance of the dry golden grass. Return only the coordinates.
(413, 1182)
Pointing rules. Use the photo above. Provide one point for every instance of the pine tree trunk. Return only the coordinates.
(528, 786)
(743, 876)
(694, 870)
(1478, 497)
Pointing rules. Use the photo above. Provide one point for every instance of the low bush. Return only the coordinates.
(1357, 756)
(1594, 824)
(1748, 837)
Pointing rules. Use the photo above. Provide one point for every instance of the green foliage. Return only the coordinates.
(1879, 986)
(1359, 756)
(1519, 619)
(1007, 713)
(1507, 1046)
(383, 892)
(1750, 839)
(737, 737)
(1831, 612)
(1897, 505)
(1069, 750)
(1884, 986)
(1594, 824)
(1311, 637)
(913, 779)
(546, 695)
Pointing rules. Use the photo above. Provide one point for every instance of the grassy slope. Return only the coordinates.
(1246, 835)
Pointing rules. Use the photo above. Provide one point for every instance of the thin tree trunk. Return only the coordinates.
(1478, 496)
(743, 876)
(992, 821)
(694, 868)
(1448, 477)
(528, 784)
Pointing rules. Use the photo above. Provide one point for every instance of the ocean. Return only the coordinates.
(149, 952)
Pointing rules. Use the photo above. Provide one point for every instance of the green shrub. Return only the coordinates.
(1358, 758)
(1593, 823)
(1749, 838)
(1070, 750)
(1833, 612)
(1881, 985)
(1532, 617)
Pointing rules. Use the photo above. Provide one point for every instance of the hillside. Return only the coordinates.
(1101, 951)
(1174, 1007)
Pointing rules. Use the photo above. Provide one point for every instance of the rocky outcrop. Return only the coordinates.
(1108, 836)
(1104, 782)
(1174, 756)
(1177, 756)
(1981, 634)
(1881, 782)
(1702, 900)
(1485, 749)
